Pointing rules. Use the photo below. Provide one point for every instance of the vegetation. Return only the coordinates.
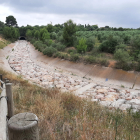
(11, 21)
(3, 42)
(89, 43)
(66, 116)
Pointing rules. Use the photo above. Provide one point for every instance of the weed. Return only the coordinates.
(122, 86)
(7, 57)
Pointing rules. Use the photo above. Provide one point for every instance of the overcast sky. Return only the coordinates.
(114, 13)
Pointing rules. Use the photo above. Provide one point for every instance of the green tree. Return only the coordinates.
(1, 24)
(44, 34)
(36, 34)
(82, 47)
(11, 32)
(11, 21)
(50, 28)
(29, 34)
(69, 32)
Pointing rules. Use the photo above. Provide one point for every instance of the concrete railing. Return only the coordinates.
(15, 127)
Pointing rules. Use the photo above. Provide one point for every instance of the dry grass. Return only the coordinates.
(3, 42)
(63, 116)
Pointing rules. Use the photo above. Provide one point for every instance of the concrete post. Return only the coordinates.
(23, 126)
(10, 102)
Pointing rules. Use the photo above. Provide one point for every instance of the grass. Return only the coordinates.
(64, 116)
(3, 43)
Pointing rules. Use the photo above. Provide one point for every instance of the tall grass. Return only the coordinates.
(64, 116)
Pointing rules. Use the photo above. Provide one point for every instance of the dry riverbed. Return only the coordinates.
(20, 61)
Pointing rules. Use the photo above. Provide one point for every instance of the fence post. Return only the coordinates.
(1, 80)
(5, 80)
(23, 126)
(10, 102)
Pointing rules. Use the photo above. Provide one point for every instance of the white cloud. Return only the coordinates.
(114, 13)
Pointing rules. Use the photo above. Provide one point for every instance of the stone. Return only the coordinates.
(60, 86)
(94, 100)
(128, 98)
(110, 98)
(17, 68)
(105, 103)
(99, 96)
(135, 101)
(136, 107)
(125, 107)
(102, 91)
(118, 103)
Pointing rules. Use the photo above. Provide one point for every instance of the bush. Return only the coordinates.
(48, 42)
(90, 43)
(74, 57)
(53, 35)
(90, 59)
(109, 45)
(103, 62)
(81, 47)
(49, 51)
(71, 50)
(121, 55)
(33, 41)
(121, 46)
(123, 59)
(37, 44)
(60, 47)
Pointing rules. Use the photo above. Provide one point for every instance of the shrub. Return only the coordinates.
(121, 46)
(60, 47)
(71, 50)
(109, 45)
(37, 44)
(103, 62)
(48, 42)
(53, 35)
(121, 55)
(123, 59)
(74, 57)
(49, 51)
(82, 47)
(90, 59)
(90, 43)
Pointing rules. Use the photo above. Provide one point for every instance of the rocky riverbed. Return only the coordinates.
(20, 61)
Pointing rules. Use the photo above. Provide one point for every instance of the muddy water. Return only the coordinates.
(99, 74)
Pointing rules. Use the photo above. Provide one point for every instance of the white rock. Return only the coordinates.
(136, 107)
(125, 106)
(118, 103)
(105, 103)
(135, 101)
(94, 100)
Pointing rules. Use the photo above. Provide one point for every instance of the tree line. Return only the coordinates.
(89, 41)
